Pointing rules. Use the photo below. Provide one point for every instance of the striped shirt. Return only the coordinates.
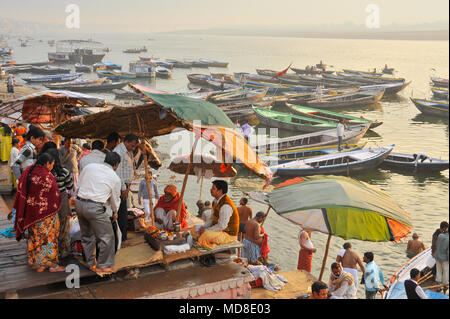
(64, 180)
(143, 191)
(126, 167)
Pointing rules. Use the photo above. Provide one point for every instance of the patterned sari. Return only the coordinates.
(37, 203)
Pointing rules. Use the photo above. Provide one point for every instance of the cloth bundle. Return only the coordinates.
(175, 249)
(269, 280)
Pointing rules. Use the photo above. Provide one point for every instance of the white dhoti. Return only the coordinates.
(146, 203)
(166, 218)
(354, 273)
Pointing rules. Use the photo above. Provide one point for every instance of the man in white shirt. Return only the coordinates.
(340, 133)
(95, 156)
(98, 186)
(13, 157)
(412, 288)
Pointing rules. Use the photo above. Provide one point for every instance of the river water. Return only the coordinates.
(425, 197)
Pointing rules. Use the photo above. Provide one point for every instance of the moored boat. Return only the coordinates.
(343, 163)
(88, 86)
(360, 98)
(440, 93)
(82, 67)
(291, 122)
(414, 163)
(352, 135)
(431, 107)
(47, 69)
(162, 72)
(282, 157)
(214, 63)
(179, 64)
(330, 116)
(439, 82)
(143, 69)
(53, 78)
(424, 262)
(196, 63)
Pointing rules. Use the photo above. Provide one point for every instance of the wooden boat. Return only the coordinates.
(389, 88)
(220, 86)
(291, 122)
(410, 162)
(343, 163)
(330, 116)
(282, 157)
(352, 135)
(360, 98)
(236, 95)
(53, 78)
(135, 50)
(93, 86)
(309, 72)
(366, 73)
(123, 94)
(200, 79)
(162, 72)
(214, 63)
(110, 74)
(179, 64)
(48, 70)
(143, 69)
(367, 79)
(273, 88)
(440, 93)
(431, 107)
(196, 63)
(228, 78)
(17, 69)
(388, 70)
(158, 62)
(82, 68)
(424, 262)
(439, 82)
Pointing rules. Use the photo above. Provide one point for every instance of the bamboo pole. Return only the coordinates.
(435, 286)
(265, 216)
(201, 185)
(325, 257)
(147, 170)
(191, 159)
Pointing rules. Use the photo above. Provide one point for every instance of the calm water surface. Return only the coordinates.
(425, 197)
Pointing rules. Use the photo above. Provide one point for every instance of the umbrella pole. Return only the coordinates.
(191, 159)
(325, 257)
(201, 186)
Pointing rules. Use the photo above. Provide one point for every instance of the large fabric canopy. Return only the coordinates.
(189, 109)
(46, 107)
(202, 164)
(341, 206)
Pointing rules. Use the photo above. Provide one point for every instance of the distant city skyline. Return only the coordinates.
(174, 15)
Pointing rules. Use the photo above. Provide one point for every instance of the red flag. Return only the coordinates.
(282, 72)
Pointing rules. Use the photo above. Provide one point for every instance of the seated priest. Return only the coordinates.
(166, 209)
(223, 227)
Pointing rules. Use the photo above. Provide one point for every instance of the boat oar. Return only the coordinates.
(436, 286)
(425, 277)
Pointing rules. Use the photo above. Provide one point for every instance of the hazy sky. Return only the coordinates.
(167, 15)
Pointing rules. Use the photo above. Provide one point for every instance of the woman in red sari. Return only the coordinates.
(37, 203)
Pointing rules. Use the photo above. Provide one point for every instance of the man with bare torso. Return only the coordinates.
(349, 260)
(253, 238)
(245, 213)
(415, 246)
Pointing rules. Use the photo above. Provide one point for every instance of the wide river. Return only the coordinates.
(424, 197)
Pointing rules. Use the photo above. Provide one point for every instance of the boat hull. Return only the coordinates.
(429, 109)
(404, 162)
(339, 169)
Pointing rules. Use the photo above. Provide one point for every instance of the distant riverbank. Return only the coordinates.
(439, 35)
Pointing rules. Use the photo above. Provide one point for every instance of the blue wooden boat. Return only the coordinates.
(281, 157)
(108, 74)
(414, 163)
(431, 107)
(53, 78)
(440, 93)
(343, 163)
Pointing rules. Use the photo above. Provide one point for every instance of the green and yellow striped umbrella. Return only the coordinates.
(340, 206)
